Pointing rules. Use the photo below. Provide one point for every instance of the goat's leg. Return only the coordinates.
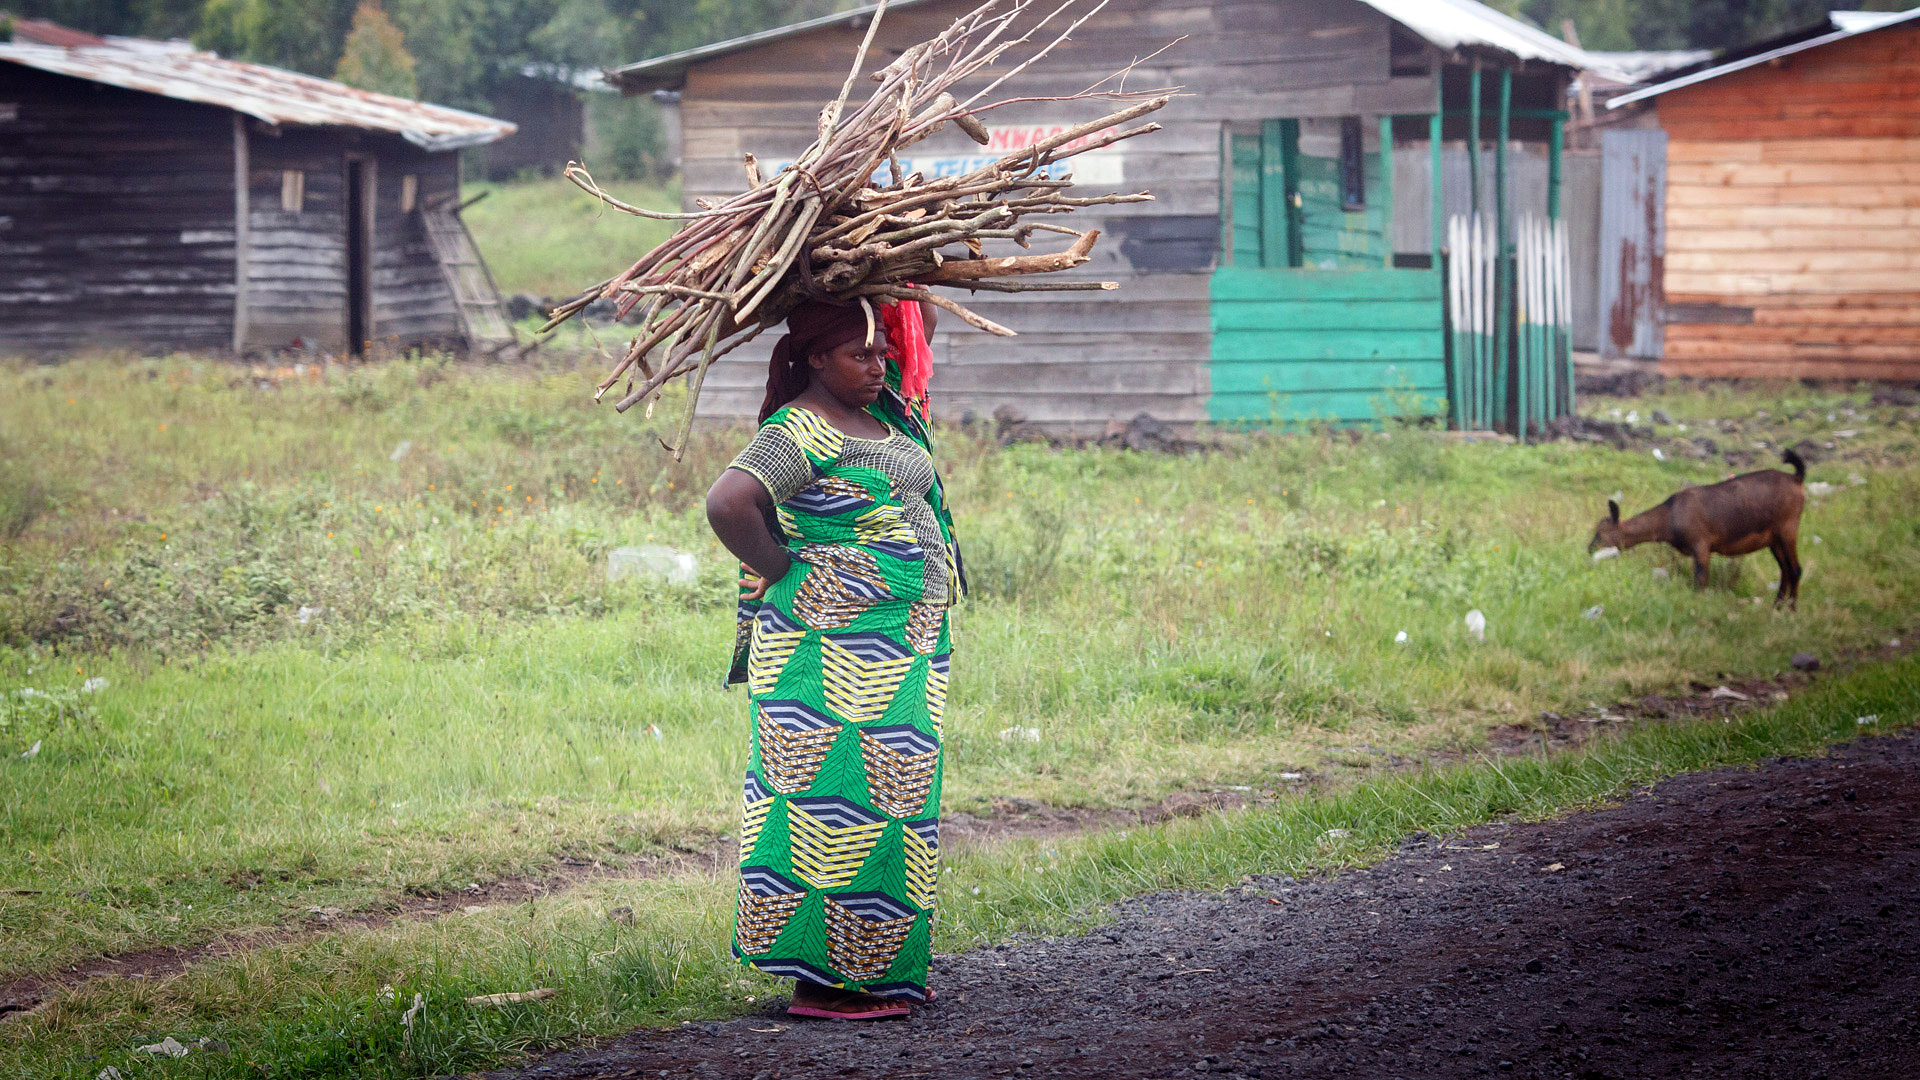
(1702, 554)
(1792, 546)
(1779, 549)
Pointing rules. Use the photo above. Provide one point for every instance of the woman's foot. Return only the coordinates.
(829, 1003)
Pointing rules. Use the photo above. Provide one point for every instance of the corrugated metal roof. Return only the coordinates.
(1845, 24)
(271, 94)
(1449, 24)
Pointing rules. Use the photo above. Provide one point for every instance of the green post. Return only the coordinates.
(1435, 130)
(1473, 134)
(1503, 278)
(1274, 242)
(1290, 169)
(1563, 336)
(1386, 186)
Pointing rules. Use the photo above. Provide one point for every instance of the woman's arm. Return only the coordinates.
(737, 508)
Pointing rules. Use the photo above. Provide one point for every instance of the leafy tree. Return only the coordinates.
(376, 56)
(305, 35)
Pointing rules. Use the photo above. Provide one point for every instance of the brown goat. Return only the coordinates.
(1734, 517)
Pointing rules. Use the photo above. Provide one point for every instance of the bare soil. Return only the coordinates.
(1760, 923)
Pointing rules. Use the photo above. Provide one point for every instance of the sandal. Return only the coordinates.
(850, 1007)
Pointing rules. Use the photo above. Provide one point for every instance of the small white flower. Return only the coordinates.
(1400, 638)
(93, 685)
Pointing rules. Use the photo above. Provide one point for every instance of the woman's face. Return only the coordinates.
(855, 373)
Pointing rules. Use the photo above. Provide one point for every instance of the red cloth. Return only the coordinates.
(908, 334)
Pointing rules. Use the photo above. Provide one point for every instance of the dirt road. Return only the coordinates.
(1740, 924)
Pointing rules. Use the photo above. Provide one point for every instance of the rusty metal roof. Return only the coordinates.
(270, 94)
(1840, 26)
(1448, 24)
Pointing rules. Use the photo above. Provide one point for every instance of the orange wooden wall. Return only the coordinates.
(1793, 216)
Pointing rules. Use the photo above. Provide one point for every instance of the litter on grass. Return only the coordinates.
(1477, 625)
(1606, 553)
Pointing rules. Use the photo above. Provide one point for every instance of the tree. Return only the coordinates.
(304, 35)
(376, 56)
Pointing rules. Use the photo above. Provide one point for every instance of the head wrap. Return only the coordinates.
(813, 327)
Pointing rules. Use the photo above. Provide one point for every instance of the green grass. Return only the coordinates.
(549, 238)
(469, 699)
(337, 1005)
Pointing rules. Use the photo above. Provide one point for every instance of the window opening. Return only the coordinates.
(1353, 165)
(293, 191)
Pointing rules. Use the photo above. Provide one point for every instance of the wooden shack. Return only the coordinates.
(1288, 267)
(154, 197)
(1792, 206)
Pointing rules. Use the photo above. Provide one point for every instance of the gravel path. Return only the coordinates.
(1739, 924)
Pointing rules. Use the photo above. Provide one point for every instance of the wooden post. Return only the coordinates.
(1562, 342)
(1290, 170)
(1503, 278)
(1473, 134)
(1435, 130)
(1386, 185)
(1274, 242)
(242, 174)
(1226, 194)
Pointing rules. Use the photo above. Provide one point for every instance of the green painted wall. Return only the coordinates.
(1310, 344)
(1331, 237)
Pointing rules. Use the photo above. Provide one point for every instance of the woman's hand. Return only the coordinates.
(756, 589)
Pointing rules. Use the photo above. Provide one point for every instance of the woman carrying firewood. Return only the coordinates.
(838, 518)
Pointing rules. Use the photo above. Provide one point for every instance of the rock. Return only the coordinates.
(654, 562)
(599, 309)
(522, 306)
(1660, 417)
(622, 915)
(1593, 613)
(1806, 661)
(1895, 395)
(166, 1047)
(1819, 487)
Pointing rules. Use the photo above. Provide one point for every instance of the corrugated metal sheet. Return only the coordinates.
(1845, 24)
(1449, 24)
(1633, 242)
(266, 93)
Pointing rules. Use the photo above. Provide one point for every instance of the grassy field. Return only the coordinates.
(357, 643)
(549, 238)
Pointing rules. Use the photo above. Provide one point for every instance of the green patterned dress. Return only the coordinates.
(845, 661)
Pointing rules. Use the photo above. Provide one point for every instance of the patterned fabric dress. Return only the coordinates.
(846, 666)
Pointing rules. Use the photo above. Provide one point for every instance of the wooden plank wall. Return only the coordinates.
(1327, 344)
(116, 218)
(1082, 359)
(1793, 214)
(297, 261)
(411, 302)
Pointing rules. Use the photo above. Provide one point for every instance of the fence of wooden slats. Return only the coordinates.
(1510, 364)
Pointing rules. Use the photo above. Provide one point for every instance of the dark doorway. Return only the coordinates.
(359, 254)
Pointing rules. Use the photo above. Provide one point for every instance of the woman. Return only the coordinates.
(836, 513)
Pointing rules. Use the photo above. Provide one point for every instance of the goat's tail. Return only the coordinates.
(1799, 465)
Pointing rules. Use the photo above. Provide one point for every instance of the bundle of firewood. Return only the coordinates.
(844, 222)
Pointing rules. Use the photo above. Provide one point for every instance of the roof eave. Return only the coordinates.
(1756, 60)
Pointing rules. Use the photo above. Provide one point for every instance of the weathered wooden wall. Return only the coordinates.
(116, 218)
(1793, 216)
(297, 260)
(1082, 358)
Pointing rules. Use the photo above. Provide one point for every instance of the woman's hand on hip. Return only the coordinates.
(756, 588)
